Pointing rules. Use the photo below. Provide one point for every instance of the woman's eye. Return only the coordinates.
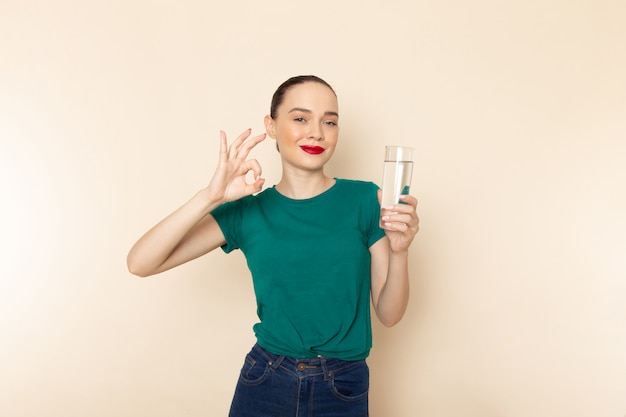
(299, 119)
(331, 123)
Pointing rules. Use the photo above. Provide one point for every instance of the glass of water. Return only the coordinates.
(397, 173)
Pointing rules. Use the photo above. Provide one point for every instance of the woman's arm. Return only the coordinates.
(186, 234)
(191, 231)
(390, 266)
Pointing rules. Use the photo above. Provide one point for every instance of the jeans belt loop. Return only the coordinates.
(327, 373)
(275, 363)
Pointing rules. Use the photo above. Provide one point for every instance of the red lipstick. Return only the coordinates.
(313, 150)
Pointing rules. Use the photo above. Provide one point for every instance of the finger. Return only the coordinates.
(391, 220)
(409, 219)
(408, 206)
(254, 166)
(245, 149)
(255, 187)
(234, 148)
(223, 147)
(395, 226)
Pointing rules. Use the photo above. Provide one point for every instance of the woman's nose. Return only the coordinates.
(316, 132)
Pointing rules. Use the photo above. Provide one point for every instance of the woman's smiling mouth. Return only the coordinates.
(313, 150)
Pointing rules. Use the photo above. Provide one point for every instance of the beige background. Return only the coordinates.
(109, 120)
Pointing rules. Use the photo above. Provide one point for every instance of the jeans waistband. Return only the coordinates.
(305, 366)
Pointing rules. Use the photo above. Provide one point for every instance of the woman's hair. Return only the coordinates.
(279, 94)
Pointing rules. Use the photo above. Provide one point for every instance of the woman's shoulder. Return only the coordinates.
(356, 184)
(242, 204)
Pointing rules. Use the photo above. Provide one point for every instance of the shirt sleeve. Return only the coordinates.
(228, 217)
(375, 233)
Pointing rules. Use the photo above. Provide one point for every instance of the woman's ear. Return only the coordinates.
(270, 127)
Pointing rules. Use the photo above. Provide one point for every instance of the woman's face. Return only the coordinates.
(306, 127)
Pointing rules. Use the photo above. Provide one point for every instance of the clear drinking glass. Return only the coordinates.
(397, 172)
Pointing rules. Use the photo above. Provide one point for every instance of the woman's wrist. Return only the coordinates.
(403, 253)
(208, 202)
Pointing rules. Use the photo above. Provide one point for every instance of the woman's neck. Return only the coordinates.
(303, 187)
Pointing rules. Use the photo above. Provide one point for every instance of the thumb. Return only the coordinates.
(256, 186)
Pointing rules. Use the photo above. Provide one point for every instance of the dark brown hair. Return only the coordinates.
(280, 92)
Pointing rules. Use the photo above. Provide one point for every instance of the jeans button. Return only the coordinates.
(301, 367)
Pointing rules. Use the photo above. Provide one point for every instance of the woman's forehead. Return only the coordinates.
(311, 94)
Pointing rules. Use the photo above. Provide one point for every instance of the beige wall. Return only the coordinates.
(109, 119)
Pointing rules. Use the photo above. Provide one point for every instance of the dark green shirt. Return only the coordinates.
(310, 266)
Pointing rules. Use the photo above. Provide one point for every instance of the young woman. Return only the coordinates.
(319, 248)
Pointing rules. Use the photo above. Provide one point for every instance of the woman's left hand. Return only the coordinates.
(400, 222)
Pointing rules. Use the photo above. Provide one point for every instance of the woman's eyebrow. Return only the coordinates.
(303, 110)
(300, 109)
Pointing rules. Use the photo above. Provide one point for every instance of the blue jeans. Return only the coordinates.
(280, 386)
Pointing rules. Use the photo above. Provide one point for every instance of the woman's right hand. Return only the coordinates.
(190, 232)
(229, 181)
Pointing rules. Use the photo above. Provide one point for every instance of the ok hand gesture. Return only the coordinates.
(229, 181)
